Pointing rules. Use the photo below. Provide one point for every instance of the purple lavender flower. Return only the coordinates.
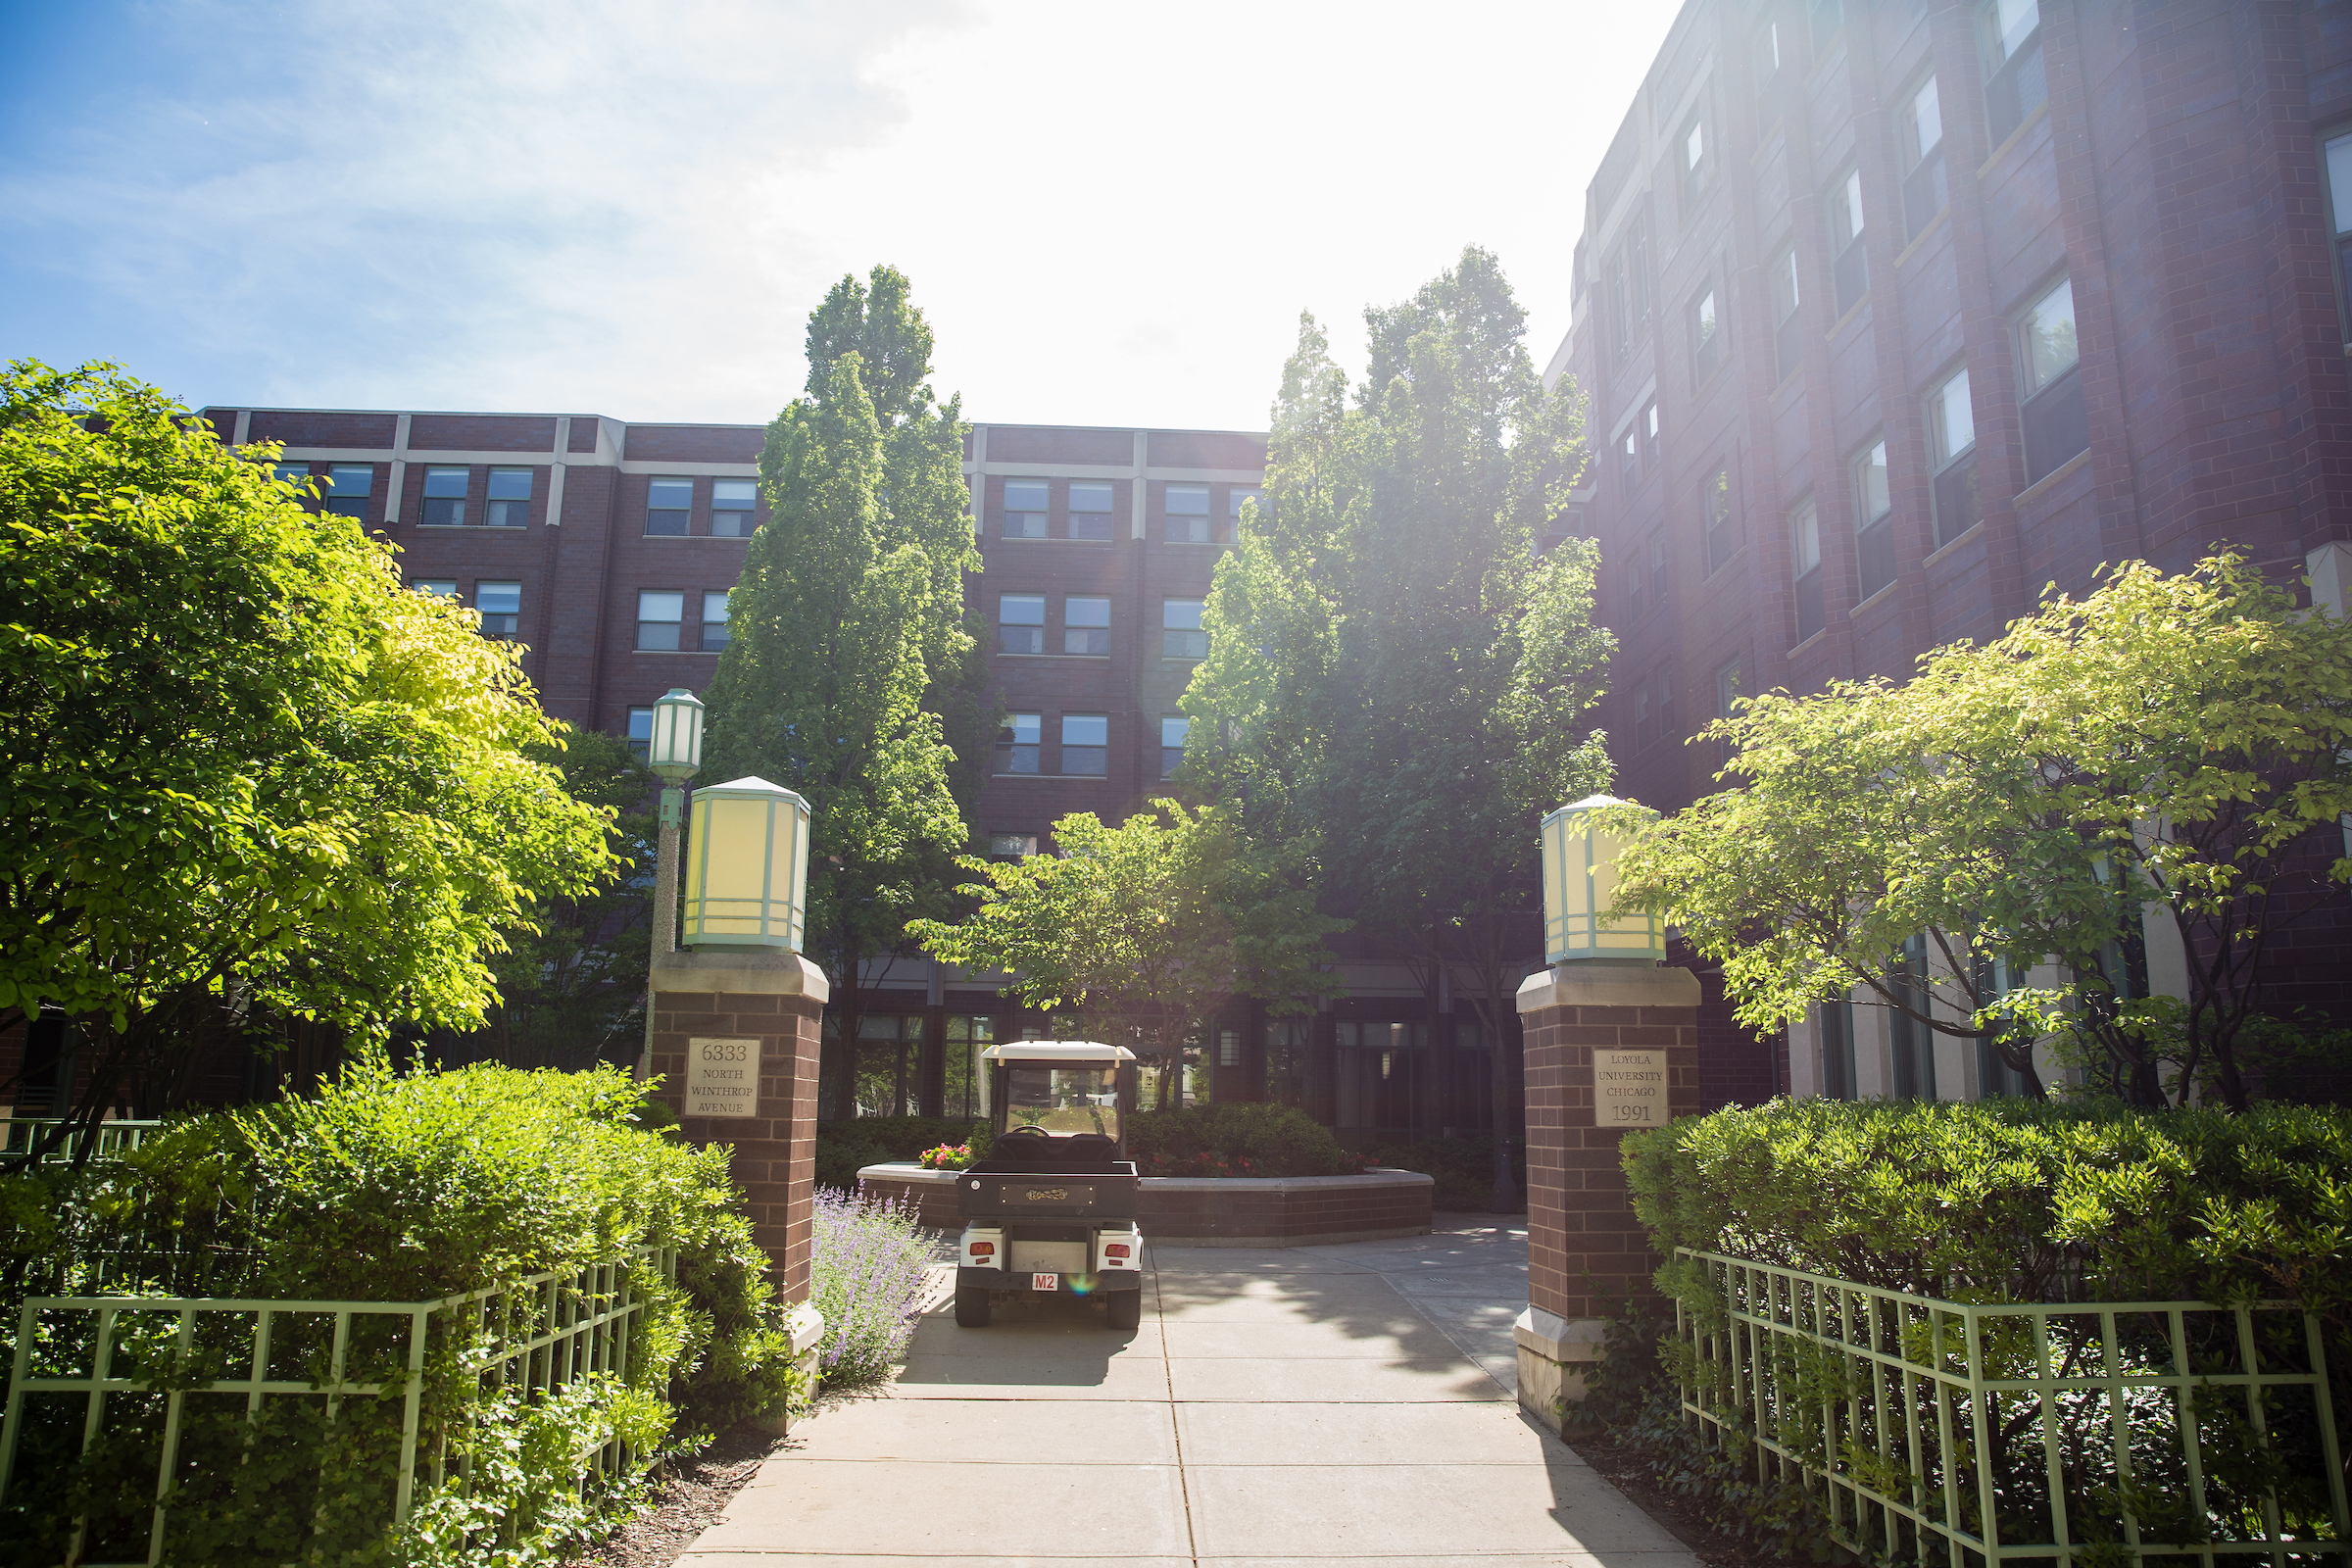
(867, 1270)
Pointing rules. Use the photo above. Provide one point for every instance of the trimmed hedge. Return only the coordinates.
(843, 1147)
(1238, 1140)
(1463, 1168)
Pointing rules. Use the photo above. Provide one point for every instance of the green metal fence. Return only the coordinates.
(81, 1360)
(2108, 1434)
(18, 1134)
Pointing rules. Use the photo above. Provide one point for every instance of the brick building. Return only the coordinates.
(609, 549)
(1892, 314)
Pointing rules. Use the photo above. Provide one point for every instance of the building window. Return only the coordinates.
(1172, 730)
(1661, 567)
(1629, 455)
(1924, 186)
(1952, 447)
(660, 616)
(1768, 53)
(507, 501)
(2056, 427)
(1787, 347)
(1011, 846)
(1637, 584)
(1706, 339)
(1914, 1045)
(731, 504)
(1021, 623)
(1090, 510)
(1026, 504)
(1851, 269)
(2015, 83)
(1653, 709)
(501, 607)
(1648, 428)
(668, 504)
(1085, 624)
(1637, 274)
(1181, 636)
(1723, 535)
(296, 474)
(641, 733)
(1016, 744)
(1837, 1051)
(1828, 20)
(1236, 499)
(1187, 514)
(1726, 688)
(1695, 163)
(1873, 519)
(2339, 220)
(435, 587)
(1641, 723)
(1804, 568)
(1621, 326)
(715, 622)
(445, 498)
(1085, 744)
(349, 484)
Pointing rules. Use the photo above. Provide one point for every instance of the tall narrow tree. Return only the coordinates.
(849, 612)
(1400, 672)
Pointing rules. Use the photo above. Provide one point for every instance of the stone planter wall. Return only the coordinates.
(1222, 1212)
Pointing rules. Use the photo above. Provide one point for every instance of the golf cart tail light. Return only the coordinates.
(1118, 1248)
(984, 1249)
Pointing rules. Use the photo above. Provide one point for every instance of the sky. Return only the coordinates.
(1110, 215)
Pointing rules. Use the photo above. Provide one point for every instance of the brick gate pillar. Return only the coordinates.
(1609, 1047)
(735, 1041)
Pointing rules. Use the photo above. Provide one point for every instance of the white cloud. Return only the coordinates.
(1110, 215)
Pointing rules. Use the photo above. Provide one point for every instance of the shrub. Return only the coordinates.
(1463, 1167)
(1237, 1140)
(843, 1147)
(395, 1187)
(869, 1265)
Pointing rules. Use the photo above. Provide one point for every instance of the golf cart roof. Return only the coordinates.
(1056, 1051)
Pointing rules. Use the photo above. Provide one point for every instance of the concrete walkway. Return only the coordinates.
(1287, 1405)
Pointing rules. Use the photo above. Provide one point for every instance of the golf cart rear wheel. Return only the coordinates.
(1126, 1308)
(971, 1308)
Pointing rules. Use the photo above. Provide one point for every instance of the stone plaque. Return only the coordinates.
(722, 1077)
(1628, 1088)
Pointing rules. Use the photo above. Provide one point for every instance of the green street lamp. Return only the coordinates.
(746, 876)
(1580, 879)
(673, 752)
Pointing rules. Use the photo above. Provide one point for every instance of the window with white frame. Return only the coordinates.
(1086, 624)
(1021, 623)
(1925, 186)
(732, 501)
(1850, 263)
(435, 587)
(1873, 519)
(1085, 744)
(500, 608)
(349, 487)
(1696, 166)
(1011, 846)
(1706, 337)
(2016, 83)
(2336, 159)
(1661, 567)
(1787, 343)
(506, 502)
(1236, 500)
(1180, 633)
(1090, 510)
(1027, 504)
(1804, 568)
(715, 621)
(668, 508)
(1721, 529)
(641, 733)
(1017, 743)
(1187, 507)
(296, 474)
(2049, 362)
(1728, 690)
(1173, 727)
(660, 618)
(445, 498)
(1953, 448)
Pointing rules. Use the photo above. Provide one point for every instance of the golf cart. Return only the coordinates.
(1051, 1211)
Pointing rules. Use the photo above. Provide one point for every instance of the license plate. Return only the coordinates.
(1045, 1282)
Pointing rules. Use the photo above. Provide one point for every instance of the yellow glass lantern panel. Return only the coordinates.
(747, 866)
(1580, 879)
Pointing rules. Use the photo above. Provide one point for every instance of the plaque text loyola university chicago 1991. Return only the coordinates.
(1628, 1088)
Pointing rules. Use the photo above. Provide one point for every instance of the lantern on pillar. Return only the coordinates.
(747, 866)
(1580, 879)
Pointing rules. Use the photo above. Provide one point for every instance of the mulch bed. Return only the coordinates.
(1684, 1519)
(687, 1501)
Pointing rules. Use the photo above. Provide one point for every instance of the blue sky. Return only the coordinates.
(1110, 215)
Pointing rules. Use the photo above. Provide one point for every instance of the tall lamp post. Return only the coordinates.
(674, 754)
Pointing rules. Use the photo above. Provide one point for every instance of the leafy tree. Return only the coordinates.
(849, 613)
(247, 772)
(571, 987)
(1399, 671)
(1143, 929)
(2175, 744)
